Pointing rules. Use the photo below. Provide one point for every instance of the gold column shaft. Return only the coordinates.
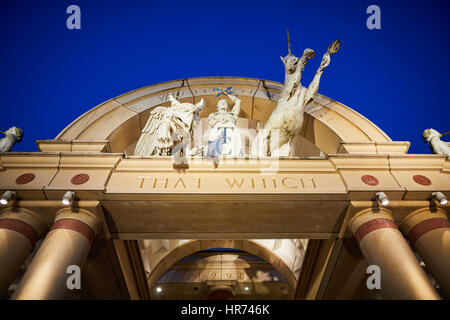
(383, 245)
(428, 229)
(68, 243)
(19, 231)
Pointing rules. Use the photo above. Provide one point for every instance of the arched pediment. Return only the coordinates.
(329, 126)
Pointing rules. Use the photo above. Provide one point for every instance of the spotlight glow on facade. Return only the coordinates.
(382, 198)
(69, 196)
(7, 197)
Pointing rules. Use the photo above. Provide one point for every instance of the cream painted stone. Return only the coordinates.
(102, 127)
(78, 126)
(42, 177)
(62, 180)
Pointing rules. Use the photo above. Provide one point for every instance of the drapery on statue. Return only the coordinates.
(287, 118)
(433, 138)
(12, 136)
(166, 125)
(224, 138)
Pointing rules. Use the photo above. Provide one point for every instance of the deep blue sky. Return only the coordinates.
(397, 76)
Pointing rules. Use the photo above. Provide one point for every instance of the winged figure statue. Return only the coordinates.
(166, 125)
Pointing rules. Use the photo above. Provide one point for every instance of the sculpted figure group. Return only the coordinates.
(169, 130)
(175, 123)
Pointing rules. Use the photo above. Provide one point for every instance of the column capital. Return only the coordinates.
(83, 215)
(79, 220)
(421, 215)
(25, 221)
(369, 214)
(423, 220)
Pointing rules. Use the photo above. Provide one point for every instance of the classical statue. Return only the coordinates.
(224, 138)
(433, 138)
(12, 136)
(166, 125)
(287, 118)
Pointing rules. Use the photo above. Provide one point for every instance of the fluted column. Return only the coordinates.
(428, 229)
(19, 230)
(383, 245)
(68, 243)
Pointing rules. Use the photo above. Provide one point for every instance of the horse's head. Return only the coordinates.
(291, 62)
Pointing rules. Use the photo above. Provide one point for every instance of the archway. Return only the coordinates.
(251, 246)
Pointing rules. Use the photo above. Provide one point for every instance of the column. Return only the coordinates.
(68, 243)
(19, 230)
(428, 229)
(383, 245)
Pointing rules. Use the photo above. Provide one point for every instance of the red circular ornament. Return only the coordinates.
(25, 178)
(370, 180)
(422, 180)
(80, 178)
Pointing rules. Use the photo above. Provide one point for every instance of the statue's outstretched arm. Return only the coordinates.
(237, 104)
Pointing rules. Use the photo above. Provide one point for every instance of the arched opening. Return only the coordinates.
(274, 269)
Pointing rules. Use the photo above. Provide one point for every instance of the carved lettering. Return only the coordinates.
(283, 182)
(156, 181)
(182, 182)
(235, 182)
(303, 184)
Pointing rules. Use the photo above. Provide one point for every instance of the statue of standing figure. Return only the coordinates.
(287, 118)
(12, 136)
(433, 138)
(224, 138)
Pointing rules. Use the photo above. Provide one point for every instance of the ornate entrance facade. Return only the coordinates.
(303, 226)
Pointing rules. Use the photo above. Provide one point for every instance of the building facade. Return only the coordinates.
(347, 215)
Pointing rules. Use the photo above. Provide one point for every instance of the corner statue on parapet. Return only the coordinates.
(165, 126)
(224, 138)
(433, 138)
(12, 136)
(287, 118)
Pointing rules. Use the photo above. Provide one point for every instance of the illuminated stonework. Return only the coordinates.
(298, 213)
